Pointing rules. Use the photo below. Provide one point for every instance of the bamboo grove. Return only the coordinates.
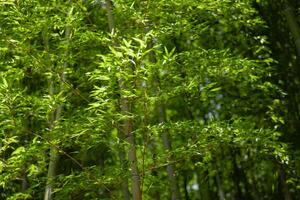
(149, 99)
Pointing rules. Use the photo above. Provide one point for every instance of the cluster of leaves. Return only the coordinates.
(197, 75)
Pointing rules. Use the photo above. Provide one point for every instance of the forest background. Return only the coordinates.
(149, 99)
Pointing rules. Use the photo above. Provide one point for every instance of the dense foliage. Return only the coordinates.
(177, 99)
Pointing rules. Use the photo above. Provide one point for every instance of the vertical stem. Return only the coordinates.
(165, 135)
(219, 182)
(154, 172)
(129, 136)
(51, 173)
(236, 175)
(294, 27)
(284, 186)
(122, 158)
(127, 128)
(54, 156)
(166, 138)
(295, 30)
(203, 184)
(110, 16)
(167, 146)
(185, 181)
(25, 183)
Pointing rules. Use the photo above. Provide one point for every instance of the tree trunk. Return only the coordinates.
(129, 137)
(165, 137)
(219, 182)
(167, 146)
(186, 184)
(294, 27)
(154, 171)
(220, 189)
(51, 173)
(203, 185)
(25, 183)
(295, 30)
(122, 158)
(127, 126)
(122, 155)
(54, 155)
(284, 187)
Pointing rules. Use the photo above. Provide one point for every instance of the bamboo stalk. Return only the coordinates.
(293, 26)
(295, 30)
(54, 157)
(122, 157)
(175, 194)
(167, 146)
(55, 116)
(53, 154)
(127, 126)
(129, 137)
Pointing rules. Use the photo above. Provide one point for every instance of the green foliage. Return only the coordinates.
(198, 79)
